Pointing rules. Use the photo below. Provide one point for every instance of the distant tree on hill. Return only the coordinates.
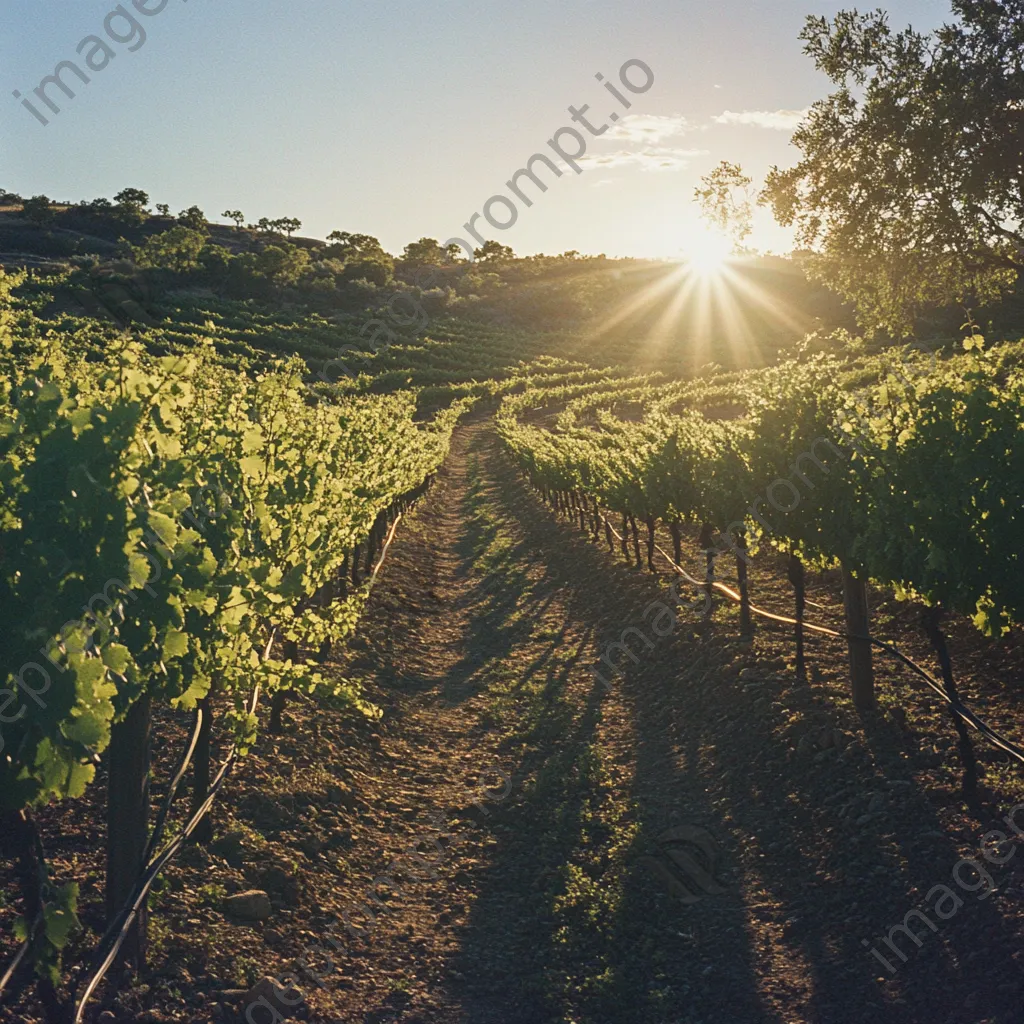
(494, 252)
(426, 251)
(353, 246)
(132, 197)
(177, 250)
(363, 257)
(282, 264)
(287, 225)
(38, 210)
(193, 218)
(163, 209)
(132, 205)
(376, 270)
(910, 186)
(235, 215)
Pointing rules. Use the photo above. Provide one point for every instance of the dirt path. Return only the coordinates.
(537, 800)
(483, 636)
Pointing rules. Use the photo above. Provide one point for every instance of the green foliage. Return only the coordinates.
(177, 250)
(160, 518)
(725, 201)
(925, 204)
(425, 252)
(912, 476)
(38, 210)
(494, 252)
(194, 219)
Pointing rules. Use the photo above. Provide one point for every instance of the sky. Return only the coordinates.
(402, 118)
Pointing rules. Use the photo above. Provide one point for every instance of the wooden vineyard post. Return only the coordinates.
(706, 543)
(746, 620)
(289, 652)
(677, 542)
(201, 767)
(326, 596)
(858, 626)
(798, 580)
(932, 617)
(636, 540)
(625, 533)
(128, 820)
(608, 536)
(651, 541)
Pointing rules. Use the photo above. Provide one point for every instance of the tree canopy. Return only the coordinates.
(910, 186)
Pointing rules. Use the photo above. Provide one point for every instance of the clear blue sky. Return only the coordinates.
(401, 117)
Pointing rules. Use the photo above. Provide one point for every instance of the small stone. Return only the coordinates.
(252, 905)
(272, 997)
(876, 804)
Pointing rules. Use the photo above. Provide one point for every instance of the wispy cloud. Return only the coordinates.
(653, 158)
(779, 120)
(650, 128)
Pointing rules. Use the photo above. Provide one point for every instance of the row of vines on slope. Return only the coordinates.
(912, 480)
(162, 521)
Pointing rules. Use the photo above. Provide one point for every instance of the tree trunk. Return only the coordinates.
(128, 820)
(862, 678)
(797, 578)
(932, 617)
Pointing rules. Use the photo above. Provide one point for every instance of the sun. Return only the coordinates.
(706, 252)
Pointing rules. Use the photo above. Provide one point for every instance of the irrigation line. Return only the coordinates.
(172, 792)
(384, 550)
(123, 922)
(958, 706)
(153, 868)
(25, 947)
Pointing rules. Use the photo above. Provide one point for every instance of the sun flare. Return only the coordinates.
(706, 252)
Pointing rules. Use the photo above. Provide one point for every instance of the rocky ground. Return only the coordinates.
(516, 843)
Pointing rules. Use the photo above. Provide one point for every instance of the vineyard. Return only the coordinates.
(273, 590)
